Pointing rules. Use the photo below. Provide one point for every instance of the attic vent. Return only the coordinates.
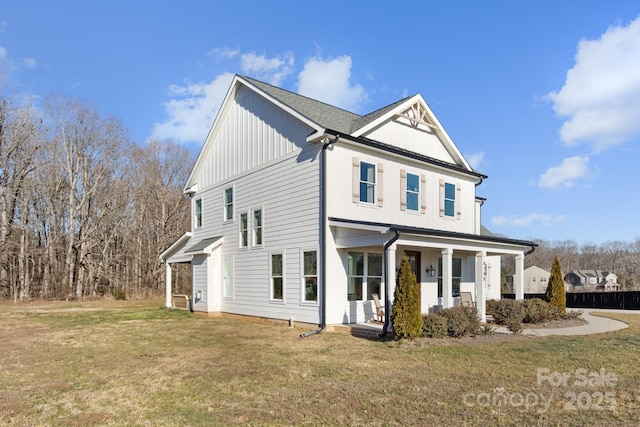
(417, 114)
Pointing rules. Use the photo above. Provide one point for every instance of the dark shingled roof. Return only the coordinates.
(325, 115)
(199, 247)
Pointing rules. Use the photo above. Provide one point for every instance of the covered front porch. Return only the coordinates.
(447, 266)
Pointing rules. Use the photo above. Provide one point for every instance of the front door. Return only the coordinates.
(414, 261)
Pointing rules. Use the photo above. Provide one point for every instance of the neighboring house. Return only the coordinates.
(535, 280)
(592, 280)
(301, 211)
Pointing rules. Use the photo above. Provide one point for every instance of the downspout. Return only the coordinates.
(387, 302)
(322, 295)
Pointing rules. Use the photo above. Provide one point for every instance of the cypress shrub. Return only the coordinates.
(555, 294)
(406, 318)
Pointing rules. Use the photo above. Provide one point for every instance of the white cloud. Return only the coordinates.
(192, 109)
(3, 53)
(565, 175)
(601, 93)
(475, 159)
(329, 81)
(271, 70)
(30, 63)
(224, 53)
(527, 221)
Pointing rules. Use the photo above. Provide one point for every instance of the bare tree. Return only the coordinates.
(19, 143)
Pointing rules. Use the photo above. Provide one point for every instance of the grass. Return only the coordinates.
(134, 363)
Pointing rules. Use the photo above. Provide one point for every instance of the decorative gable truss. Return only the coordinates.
(417, 114)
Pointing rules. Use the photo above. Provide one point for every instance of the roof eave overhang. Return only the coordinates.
(405, 153)
(416, 231)
(180, 242)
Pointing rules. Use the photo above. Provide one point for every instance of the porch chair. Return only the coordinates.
(466, 300)
(379, 307)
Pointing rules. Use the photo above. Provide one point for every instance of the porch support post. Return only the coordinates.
(518, 278)
(391, 285)
(447, 280)
(481, 300)
(167, 283)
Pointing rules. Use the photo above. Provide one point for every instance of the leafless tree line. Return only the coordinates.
(620, 258)
(84, 210)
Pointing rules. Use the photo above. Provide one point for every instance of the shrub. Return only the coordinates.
(406, 318)
(486, 329)
(555, 294)
(491, 305)
(461, 321)
(434, 326)
(120, 294)
(539, 311)
(573, 315)
(510, 313)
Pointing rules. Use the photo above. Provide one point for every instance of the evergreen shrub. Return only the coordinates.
(434, 326)
(406, 318)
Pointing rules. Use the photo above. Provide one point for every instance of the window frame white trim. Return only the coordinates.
(253, 227)
(225, 205)
(303, 277)
(282, 254)
(246, 230)
(365, 276)
(197, 216)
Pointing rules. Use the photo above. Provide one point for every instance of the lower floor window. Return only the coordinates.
(364, 275)
(456, 276)
(310, 274)
(277, 279)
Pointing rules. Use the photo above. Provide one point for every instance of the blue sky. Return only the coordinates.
(541, 96)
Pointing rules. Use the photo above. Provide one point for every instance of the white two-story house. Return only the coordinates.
(301, 211)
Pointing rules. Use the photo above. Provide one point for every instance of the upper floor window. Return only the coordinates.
(244, 230)
(257, 227)
(228, 204)
(197, 211)
(449, 199)
(413, 192)
(367, 182)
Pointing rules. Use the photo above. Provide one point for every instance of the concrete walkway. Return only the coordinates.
(594, 325)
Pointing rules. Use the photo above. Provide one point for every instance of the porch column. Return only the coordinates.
(167, 284)
(391, 286)
(447, 280)
(518, 278)
(391, 274)
(481, 300)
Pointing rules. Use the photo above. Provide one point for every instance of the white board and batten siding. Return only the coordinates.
(416, 139)
(261, 152)
(390, 189)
